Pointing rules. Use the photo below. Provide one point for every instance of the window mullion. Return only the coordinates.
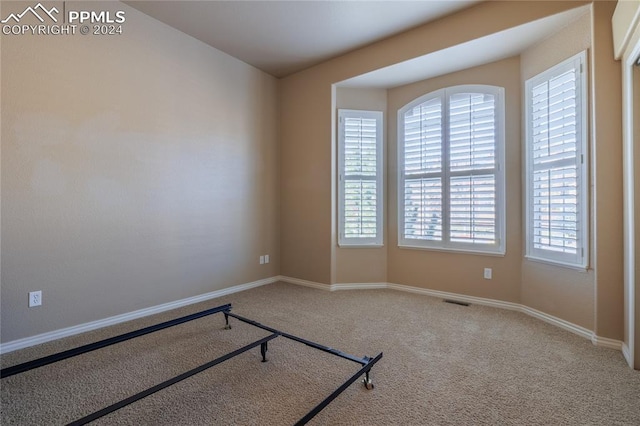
(565, 162)
(473, 172)
(360, 177)
(426, 175)
(446, 173)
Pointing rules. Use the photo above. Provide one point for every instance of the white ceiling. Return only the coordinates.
(476, 52)
(283, 37)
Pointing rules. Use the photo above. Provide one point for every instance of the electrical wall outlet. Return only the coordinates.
(35, 298)
(266, 258)
(487, 273)
(262, 260)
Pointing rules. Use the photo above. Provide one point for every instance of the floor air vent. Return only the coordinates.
(455, 302)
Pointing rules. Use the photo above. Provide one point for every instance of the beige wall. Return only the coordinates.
(137, 170)
(593, 299)
(307, 181)
(625, 17)
(459, 272)
(306, 208)
(148, 167)
(562, 292)
(363, 265)
(606, 134)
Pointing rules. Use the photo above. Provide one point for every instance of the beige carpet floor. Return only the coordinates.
(443, 365)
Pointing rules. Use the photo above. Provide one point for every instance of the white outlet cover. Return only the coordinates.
(262, 260)
(35, 298)
(266, 258)
(487, 273)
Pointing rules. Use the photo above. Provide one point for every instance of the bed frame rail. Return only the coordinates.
(118, 405)
(314, 345)
(366, 362)
(36, 363)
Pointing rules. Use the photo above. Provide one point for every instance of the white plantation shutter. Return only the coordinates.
(472, 159)
(473, 209)
(423, 171)
(556, 168)
(360, 177)
(451, 182)
(472, 131)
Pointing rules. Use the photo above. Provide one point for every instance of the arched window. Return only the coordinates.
(451, 170)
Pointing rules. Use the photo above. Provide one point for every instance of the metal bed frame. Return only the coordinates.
(366, 362)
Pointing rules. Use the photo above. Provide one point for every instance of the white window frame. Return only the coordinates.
(499, 247)
(343, 240)
(581, 259)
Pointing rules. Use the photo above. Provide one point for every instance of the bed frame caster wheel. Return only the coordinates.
(367, 383)
(227, 327)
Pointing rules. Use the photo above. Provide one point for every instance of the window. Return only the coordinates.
(360, 178)
(451, 173)
(556, 192)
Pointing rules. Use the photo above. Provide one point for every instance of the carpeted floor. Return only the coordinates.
(443, 364)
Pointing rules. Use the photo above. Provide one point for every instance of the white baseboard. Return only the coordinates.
(455, 296)
(94, 325)
(550, 319)
(333, 287)
(304, 283)
(356, 286)
(559, 322)
(626, 352)
(606, 342)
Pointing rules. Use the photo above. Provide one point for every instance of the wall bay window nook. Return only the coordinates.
(451, 170)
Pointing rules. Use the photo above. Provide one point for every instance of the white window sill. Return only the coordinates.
(496, 253)
(558, 263)
(348, 245)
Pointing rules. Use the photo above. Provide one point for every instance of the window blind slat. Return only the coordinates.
(423, 137)
(423, 209)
